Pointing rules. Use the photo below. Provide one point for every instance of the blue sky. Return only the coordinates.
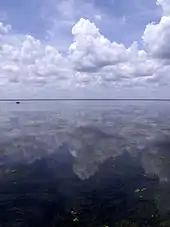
(24, 16)
(123, 21)
(92, 46)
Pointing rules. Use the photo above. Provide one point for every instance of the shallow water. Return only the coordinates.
(85, 163)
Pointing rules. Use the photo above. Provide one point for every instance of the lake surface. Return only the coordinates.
(85, 163)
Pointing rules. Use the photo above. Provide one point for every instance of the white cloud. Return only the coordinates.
(157, 36)
(156, 40)
(98, 17)
(4, 29)
(90, 60)
(62, 15)
(30, 61)
(91, 51)
(165, 4)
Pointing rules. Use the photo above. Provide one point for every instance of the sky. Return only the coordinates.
(85, 49)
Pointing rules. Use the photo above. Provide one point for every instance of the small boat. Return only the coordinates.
(17, 102)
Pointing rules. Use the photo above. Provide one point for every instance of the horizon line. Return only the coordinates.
(83, 99)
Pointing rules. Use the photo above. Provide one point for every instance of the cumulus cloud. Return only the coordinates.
(63, 15)
(28, 60)
(91, 58)
(157, 36)
(91, 51)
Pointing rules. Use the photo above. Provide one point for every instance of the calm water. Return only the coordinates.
(85, 163)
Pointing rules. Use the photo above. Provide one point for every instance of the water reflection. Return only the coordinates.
(85, 164)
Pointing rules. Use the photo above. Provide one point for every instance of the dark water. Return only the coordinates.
(85, 164)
